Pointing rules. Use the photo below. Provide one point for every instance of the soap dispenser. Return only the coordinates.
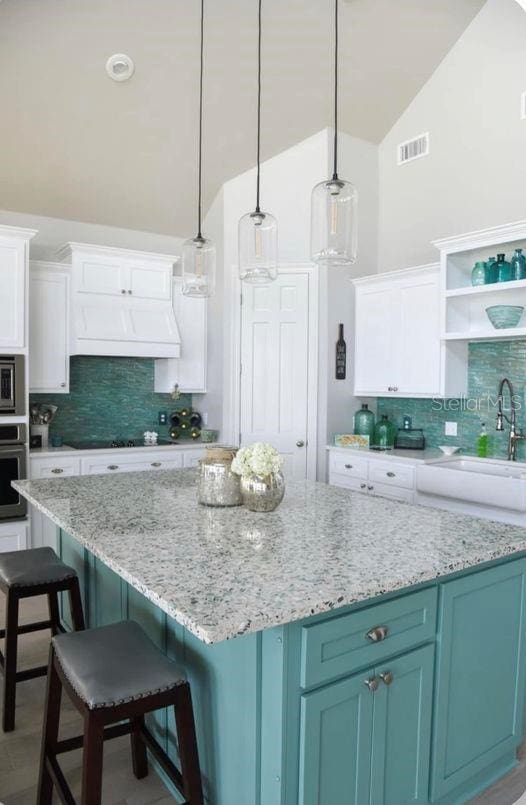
(482, 442)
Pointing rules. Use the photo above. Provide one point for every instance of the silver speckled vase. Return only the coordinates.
(262, 493)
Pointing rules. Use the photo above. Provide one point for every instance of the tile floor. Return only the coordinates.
(19, 750)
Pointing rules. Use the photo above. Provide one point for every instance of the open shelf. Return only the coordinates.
(497, 287)
(487, 334)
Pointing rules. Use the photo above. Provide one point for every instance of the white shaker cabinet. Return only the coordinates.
(398, 348)
(189, 370)
(14, 257)
(48, 328)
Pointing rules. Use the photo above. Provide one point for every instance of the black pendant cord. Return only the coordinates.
(259, 109)
(199, 235)
(335, 172)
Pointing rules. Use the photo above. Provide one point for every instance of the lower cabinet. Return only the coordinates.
(13, 536)
(479, 698)
(366, 739)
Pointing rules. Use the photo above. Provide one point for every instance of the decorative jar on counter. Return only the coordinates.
(384, 433)
(364, 422)
(217, 485)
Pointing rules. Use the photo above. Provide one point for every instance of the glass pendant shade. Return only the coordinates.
(258, 248)
(334, 223)
(199, 267)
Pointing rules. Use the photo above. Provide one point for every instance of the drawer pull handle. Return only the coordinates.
(113, 466)
(362, 486)
(372, 683)
(391, 474)
(377, 634)
(57, 470)
(386, 677)
(348, 466)
(156, 463)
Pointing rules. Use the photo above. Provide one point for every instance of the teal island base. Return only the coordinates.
(414, 697)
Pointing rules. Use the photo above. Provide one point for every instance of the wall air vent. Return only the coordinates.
(413, 149)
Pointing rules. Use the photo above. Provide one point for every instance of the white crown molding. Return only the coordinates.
(17, 232)
(483, 237)
(65, 253)
(400, 273)
(48, 265)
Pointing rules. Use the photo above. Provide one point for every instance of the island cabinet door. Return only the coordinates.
(402, 729)
(480, 675)
(335, 743)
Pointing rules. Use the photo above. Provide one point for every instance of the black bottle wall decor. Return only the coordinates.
(341, 355)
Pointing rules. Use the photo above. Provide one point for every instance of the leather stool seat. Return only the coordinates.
(33, 567)
(114, 664)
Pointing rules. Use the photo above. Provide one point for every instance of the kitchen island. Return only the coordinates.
(342, 649)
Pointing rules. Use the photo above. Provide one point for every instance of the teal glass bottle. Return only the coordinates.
(479, 275)
(518, 265)
(364, 422)
(384, 433)
(492, 273)
(503, 268)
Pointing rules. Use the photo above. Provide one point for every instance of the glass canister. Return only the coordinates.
(518, 265)
(479, 275)
(217, 485)
(364, 422)
(384, 433)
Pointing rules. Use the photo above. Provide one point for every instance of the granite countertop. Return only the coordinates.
(226, 572)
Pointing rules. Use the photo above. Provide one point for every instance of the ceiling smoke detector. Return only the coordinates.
(120, 67)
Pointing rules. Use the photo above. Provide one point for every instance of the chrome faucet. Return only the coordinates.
(516, 434)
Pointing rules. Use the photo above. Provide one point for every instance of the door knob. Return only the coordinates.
(372, 683)
(386, 677)
(300, 443)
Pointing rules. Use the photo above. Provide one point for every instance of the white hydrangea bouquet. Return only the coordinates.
(259, 458)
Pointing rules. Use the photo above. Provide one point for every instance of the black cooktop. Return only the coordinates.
(104, 445)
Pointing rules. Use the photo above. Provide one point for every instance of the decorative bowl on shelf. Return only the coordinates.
(502, 316)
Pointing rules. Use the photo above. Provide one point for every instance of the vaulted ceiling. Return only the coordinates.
(74, 144)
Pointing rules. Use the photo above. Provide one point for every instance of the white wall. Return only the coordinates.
(475, 175)
(286, 184)
(54, 232)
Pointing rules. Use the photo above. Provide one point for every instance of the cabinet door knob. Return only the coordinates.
(370, 487)
(300, 443)
(377, 634)
(348, 466)
(156, 463)
(386, 677)
(395, 388)
(362, 486)
(129, 291)
(391, 474)
(389, 388)
(62, 385)
(372, 683)
(57, 470)
(113, 466)
(123, 290)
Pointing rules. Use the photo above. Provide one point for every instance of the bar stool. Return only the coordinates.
(115, 674)
(24, 574)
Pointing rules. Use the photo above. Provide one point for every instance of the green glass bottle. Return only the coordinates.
(492, 274)
(384, 433)
(503, 268)
(364, 422)
(482, 442)
(518, 265)
(479, 275)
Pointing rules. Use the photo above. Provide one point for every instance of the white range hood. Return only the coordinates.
(121, 302)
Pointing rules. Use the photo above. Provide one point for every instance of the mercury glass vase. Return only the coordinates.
(262, 493)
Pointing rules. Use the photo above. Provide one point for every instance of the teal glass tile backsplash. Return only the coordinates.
(488, 363)
(110, 398)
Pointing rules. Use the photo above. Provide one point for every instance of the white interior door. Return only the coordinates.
(275, 368)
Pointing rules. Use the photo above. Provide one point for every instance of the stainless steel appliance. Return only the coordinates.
(12, 397)
(12, 468)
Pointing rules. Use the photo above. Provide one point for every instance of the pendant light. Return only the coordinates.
(199, 253)
(334, 202)
(258, 230)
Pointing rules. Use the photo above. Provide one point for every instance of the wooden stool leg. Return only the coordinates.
(138, 748)
(54, 616)
(188, 754)
(49, 732)
(11, 644)
(75, 603)
(92, 760)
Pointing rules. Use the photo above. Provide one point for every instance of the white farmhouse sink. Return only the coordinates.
(498, 484)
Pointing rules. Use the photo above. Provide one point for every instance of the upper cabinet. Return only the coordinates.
(14, 256)
(48, 328)
(189, 370)
(398, 348)
(463, 315)
(121, 302)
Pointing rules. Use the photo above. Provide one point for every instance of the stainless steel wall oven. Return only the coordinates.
(12, 468)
